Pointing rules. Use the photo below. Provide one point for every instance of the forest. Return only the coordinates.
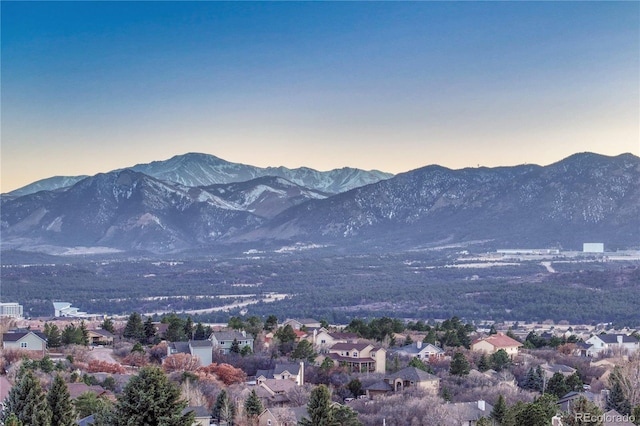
(411, 285)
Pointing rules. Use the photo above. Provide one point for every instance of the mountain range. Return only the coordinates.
(180, 204)
(196, 169)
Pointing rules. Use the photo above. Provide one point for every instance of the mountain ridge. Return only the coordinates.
(585, 197)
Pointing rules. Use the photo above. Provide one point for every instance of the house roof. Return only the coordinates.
(499, 341)
(180, 347)
(558, 368)
(412, 374)
(469, 410)
(77, 389)
(102, 332)
(414, 349)
(293, 369)
(278, 386)
(343, 336)
(201, 343)
(17, 335)
(340, 358)
(349, 346)
(86, 421)
(199, 411)
(380, 386)
(230, 335)
(613, 338)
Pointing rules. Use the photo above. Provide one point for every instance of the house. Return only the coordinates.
(100, 337)
(569, 399)
(273, 392)
(550, 369)
(292, 372)
(423, 351)
(360, 357)
(77, 389)
(410, 377)
(223, 340)
(282, 416)
(468, 413)
(322, 339)
(202, 416)
(606, 342)
(25, 340)
(494, 342)
(203, 349)
(306, 323)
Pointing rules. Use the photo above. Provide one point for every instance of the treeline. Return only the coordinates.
(338, 288)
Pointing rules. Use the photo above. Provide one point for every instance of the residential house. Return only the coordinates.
(77, 389)
(273, 392)
(298, 324)
(322, 339)
(359, 357)
(569, 399)
(223, 340)
(100, 337)
(202, 415)
(609, 342)
(494, 342)
(410, 377)
(550, 369)
(423, 351)
(292, 372)
(282, 416)
(25, 340)
(203, 349)
(468, 413)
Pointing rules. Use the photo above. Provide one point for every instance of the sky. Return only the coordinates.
(89, 87)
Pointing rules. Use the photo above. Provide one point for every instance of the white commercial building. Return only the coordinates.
(13, 310)
(593, 247)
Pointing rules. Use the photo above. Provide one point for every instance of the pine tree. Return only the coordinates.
(150, 398)
(581, 406)
(54, 338)
(84, 334)
(304, 351)
(557, 385)
(345, 416)
(107, 325)
(149, 329)
(483, 363)
(253, 406)
(188, 328)
(12, 420)
(27, 402)
(499, 409)
(224, 409)
(134, 328)
(59, 401)
(319, 408)
(500, 360)
(200, 333)
(235, 347)
(459, 365)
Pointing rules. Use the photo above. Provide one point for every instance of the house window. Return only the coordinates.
(269, 422)
(347, 353)
(222, 342)
(355, 354)
(23, 344)
(323, 341)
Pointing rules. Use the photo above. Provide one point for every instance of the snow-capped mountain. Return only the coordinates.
(194, 169)
(48, 184)
(583, 198)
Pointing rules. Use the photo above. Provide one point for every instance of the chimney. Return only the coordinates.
(419, 344)
(481, 405)
(244, 333)
(301, 374)
(619, 337)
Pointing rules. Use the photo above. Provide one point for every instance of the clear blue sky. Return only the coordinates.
(88, 87)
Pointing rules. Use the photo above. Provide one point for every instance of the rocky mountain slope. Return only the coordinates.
(584, 198)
